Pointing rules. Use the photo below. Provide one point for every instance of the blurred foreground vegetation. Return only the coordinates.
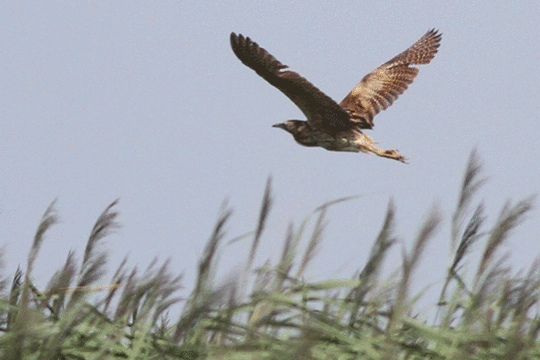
(270, 311)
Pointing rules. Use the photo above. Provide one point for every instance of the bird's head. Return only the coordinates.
(292, 126)
(300, 130)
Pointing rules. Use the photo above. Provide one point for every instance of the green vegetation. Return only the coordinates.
(494, 315)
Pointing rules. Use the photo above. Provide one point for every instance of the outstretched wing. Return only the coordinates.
(320, 110)
(380, 88)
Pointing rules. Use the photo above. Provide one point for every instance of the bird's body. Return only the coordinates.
(333, 126)
(352, 140)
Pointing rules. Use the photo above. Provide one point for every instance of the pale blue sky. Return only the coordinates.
(145, 101)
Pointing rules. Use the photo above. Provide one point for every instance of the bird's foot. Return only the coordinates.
(394, 154)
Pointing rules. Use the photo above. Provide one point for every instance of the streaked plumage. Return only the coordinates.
(333, 126)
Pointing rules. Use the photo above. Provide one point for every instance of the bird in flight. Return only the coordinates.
(333, 126)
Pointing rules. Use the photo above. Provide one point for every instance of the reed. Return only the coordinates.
(270, 311)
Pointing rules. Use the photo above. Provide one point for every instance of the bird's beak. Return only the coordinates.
(280, 125)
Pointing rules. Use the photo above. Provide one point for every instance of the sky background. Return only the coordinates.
(146, 102)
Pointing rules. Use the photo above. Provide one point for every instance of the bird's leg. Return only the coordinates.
(366, 144)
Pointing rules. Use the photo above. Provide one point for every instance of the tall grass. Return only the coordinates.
(270, 311)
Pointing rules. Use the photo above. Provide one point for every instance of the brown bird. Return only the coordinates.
(333, 126)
